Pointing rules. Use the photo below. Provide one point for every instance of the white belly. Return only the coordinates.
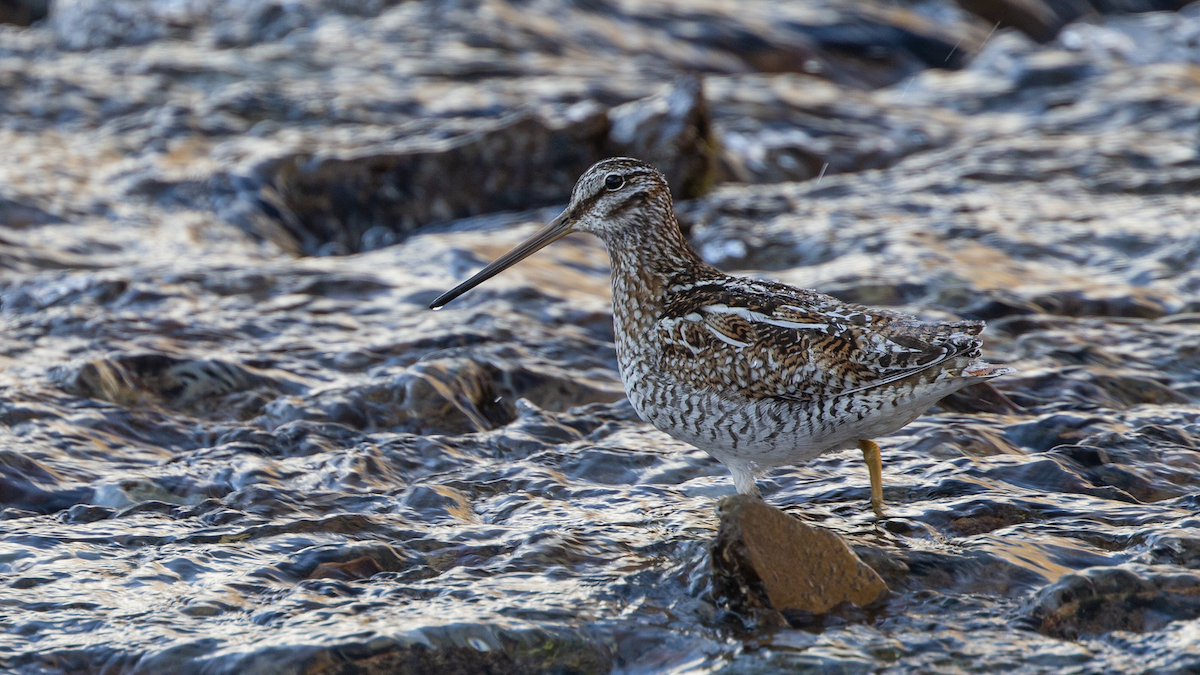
(755, 435)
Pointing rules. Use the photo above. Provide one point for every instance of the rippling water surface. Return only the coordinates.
(217, 457)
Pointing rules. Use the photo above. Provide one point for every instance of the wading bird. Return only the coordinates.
(756, 374)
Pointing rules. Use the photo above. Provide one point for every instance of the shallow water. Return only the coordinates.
(194, 422)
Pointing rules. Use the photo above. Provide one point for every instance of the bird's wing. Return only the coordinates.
(773, 340)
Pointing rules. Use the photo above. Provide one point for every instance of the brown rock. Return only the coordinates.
(766, 559)
(359, 568)
(1134, 598)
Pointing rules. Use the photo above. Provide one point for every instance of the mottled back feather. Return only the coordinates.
(771, 340)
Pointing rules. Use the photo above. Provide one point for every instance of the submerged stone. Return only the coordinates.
(766, 559)
(206, 387)
(363, 567)
(1134, 598)
(452, 649)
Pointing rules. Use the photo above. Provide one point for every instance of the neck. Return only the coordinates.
(645, 259)
(646, 262)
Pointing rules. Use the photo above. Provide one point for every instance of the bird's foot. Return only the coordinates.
(870, 451)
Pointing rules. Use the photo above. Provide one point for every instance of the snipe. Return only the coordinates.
(756, 374)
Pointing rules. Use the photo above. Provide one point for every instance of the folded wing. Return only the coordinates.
(773, 340)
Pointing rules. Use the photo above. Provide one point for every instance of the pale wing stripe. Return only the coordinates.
(725, 338)
(758, 317)
(794, 324)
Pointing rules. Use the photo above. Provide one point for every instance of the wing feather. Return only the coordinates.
(774, 340)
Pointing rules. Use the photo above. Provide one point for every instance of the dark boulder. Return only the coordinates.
(347, 202)
(23, 12)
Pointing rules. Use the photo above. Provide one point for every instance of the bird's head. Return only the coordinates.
(615, 200)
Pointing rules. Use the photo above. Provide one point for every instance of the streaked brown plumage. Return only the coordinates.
(757, 374)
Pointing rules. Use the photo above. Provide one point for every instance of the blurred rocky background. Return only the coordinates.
(234, 439)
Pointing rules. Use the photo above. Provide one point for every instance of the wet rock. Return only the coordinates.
(16, 214)
(796, 127)
(303, 438)
(444, 395)
(961, 439)
(91, 289)
(1094, 387)
(359, 568)
(671, 130)
(198, 386)
(890, 567)
(1130, 390)
(316, 204)
(439, 501)
(1173, 549)
(23, 12)
(763, 559)
(1036, 18)
(853, 44)
(1099, 600)
(1106, 464)
(452, 649)
(435, 390)
(1043, 19)
(1051, 430)
(351, 561)
(1081, 303)
(976, 517)
(86, 513)
(430, 399)
(26, 485)
(967, 571)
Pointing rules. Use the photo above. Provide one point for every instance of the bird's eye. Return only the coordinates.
(614, 181)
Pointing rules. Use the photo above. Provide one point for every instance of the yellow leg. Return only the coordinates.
(870, 451)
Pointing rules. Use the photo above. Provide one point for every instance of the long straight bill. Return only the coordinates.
(557, 229)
